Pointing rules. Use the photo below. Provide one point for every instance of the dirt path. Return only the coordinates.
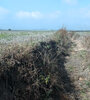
(79, 70)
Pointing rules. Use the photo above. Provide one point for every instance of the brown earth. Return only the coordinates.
(78, 67)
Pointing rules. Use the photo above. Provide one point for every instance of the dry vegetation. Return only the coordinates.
(38, 72)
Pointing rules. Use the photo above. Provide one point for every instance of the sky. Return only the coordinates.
(45, 14)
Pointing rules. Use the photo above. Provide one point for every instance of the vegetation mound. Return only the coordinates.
(37, 73)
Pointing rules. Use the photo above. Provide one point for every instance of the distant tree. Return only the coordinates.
(9, 29)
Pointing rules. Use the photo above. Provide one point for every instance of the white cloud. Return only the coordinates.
(85, 12)
(55, 14)
(37, 15)
(71, 2)
(78, 13)
(25, 14)
(3, 11)
(88, 14)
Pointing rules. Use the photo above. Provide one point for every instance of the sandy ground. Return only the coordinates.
(78, 67)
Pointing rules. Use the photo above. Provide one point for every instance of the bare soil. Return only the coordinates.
(78, 68)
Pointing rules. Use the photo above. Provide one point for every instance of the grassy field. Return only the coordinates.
(9, 39)
(22, 36)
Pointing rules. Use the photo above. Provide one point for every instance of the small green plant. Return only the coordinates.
(82, 53)
(48, 46)
(83, 92)
(89, 67)
(45, 79)
(88, 84)
(71, 68)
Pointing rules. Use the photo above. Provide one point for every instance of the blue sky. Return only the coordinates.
(45, 14)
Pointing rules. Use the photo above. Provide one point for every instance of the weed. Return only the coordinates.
(88, 84)
(89, 67)
(71, 68)
(37, 72)
(82, 53)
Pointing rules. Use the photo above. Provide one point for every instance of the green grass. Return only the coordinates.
(71, 68)
(88, 84)
(82, 53)
(89, 67)
(23, 34)
(4, 36)
(9, 35)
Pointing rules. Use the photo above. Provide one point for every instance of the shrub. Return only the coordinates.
(37, 73)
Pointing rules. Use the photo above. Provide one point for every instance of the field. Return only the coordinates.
(21, 38)
(44, 65)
